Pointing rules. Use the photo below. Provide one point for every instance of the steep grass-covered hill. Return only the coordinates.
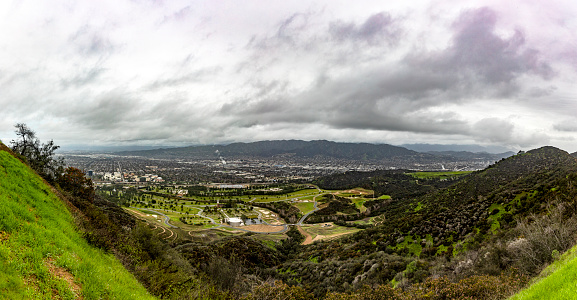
(557, 281)
(42, 255)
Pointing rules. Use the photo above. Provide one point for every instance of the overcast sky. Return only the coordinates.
(119, 72)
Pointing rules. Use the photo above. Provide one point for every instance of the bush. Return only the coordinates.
(474, 287)
(74, 182)
(539, 237)
(278, 291)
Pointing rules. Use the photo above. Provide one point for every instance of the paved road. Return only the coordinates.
(166, 218)
(300, 222)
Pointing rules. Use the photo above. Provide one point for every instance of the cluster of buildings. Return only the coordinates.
(126, 177)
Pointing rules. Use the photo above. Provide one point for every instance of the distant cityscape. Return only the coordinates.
(130, 169)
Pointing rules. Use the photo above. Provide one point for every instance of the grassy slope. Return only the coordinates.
(557, 281)
(40, 247)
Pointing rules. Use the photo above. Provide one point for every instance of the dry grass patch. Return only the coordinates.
(4, 236)
(263, 228)
(63, 274)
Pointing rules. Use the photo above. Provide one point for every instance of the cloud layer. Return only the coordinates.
(188, 72)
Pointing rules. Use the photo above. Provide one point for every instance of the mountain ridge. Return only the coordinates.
(309, 150)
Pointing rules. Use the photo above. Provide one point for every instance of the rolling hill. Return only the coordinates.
(471, 227)
(303, 149)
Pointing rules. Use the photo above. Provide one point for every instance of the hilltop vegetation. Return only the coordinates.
(469, 228)
(399, 184)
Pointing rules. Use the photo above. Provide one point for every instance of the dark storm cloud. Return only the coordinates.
(409, 95)
(477, 48)
(373, 100)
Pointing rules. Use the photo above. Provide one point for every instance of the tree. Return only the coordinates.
(39, 157)
(74, 182)
(27, 138)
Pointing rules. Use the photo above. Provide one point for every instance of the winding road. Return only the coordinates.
(303, 218)
(285, 227)
(166, 218)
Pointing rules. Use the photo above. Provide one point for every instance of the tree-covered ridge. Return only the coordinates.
(398, 184)
(458, 231)
(452, 213)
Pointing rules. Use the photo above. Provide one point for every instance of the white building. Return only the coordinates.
(234, 222)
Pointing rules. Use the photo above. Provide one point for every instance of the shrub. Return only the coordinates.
(78, 185)
(278, 291)
(540, 236)
(474, 287)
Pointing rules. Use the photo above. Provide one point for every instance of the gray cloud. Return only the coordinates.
(170, 72)
(494, 130)
(566, 126)
(83, 77)
(484, 63)
(377, 28)
(195, 76)
(112, 110)
(399, 97)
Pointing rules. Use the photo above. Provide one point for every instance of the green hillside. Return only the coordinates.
(42, 255)
(510, 218)
(557, 281)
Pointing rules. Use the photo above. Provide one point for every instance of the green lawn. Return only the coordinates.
(360, 203)
(305, 207)
(38, 234)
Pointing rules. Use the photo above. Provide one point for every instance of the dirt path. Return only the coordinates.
(324, 237)
(263, 228)
(308, 238)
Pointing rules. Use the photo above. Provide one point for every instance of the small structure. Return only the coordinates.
(234, 222)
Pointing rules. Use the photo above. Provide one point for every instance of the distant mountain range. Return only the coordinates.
(354, 151)
(455, 148)
(311, 149)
